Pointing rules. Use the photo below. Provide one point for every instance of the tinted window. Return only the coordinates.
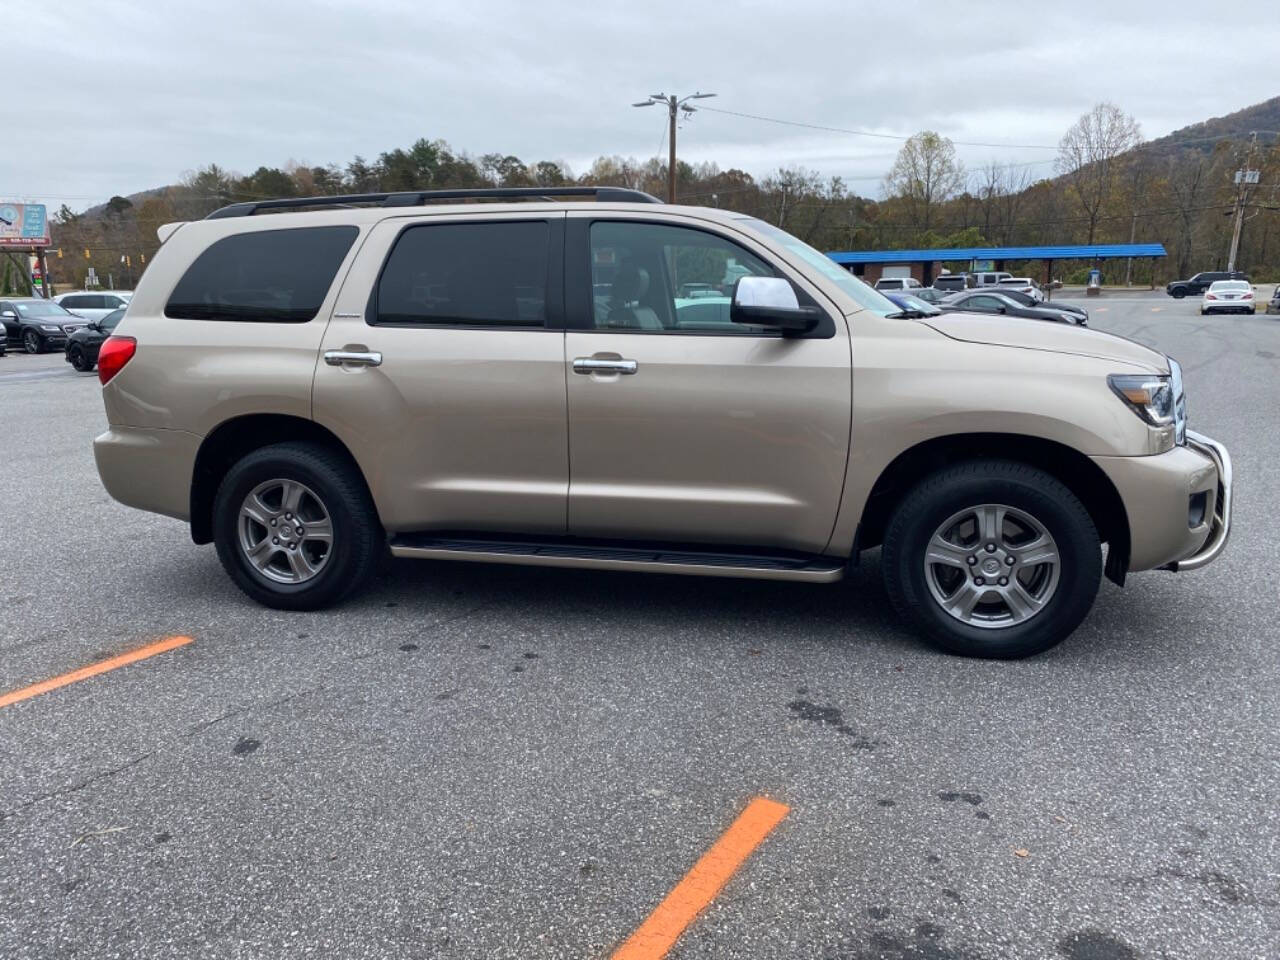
(482, 274)
(267, 275)
(111, 319)
(982, 303)
(72, 302)
(642, 275)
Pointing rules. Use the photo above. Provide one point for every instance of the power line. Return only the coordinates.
(872, 133)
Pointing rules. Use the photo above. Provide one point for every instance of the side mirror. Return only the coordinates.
(8, 315)
(1001, 310)
(771, 302)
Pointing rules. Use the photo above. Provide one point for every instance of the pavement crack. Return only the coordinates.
(79, 785)
(250, 708)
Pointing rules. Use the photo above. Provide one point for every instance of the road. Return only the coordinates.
(473, 761)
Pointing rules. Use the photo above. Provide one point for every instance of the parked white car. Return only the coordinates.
(898, 283)
(93, 306)
(991, 278)
(1023, 285)
(1228, 296)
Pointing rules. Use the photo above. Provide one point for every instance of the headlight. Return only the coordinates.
(50, 326)
(1149, 396)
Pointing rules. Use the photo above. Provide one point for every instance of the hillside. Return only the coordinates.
(1200, 137)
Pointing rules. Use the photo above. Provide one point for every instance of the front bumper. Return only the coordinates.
(1178, 503)
(1220, 524)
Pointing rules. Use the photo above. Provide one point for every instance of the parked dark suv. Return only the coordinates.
(1200, 282)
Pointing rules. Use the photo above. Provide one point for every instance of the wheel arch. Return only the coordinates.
(1073, 469)
(231, 440)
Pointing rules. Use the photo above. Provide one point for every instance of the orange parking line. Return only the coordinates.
(102, 666)
(663, 928)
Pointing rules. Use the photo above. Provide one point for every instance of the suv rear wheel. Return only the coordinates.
(992, 559)
(295, 527)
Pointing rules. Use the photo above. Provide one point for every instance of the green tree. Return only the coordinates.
(924, 175)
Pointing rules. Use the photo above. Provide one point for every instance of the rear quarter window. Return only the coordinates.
(272, 276)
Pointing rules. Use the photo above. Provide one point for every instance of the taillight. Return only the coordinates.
(1247, 296)
(1211, 296)
(114, 353)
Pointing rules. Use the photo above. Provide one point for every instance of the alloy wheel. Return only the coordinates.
(992, 566)
(285, 531)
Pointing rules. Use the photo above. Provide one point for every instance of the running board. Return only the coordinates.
(636, 558)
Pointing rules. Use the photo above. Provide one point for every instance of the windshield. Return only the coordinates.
(1231, 285)
(111, 319)
(40, 308)
(858, 291)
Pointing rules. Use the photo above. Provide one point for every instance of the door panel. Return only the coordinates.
(461, 425)
(722, 434)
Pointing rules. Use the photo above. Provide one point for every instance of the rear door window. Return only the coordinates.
(492, 274)
(272, 276)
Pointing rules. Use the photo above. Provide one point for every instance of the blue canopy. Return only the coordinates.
(1097, 251)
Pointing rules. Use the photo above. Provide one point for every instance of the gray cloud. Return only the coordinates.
(139, 92)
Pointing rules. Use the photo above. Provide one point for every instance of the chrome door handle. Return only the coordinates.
(354, 358)
(594, 365)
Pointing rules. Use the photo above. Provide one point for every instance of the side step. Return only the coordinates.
(585, 554)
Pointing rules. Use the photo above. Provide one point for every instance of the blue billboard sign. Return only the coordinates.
(23, 226)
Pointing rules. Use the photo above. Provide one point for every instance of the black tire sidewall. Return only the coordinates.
(354, 524)
(31, 337)
(77, 358)
(1026, 489)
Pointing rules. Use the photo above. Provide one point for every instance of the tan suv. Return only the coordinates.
(620, 384)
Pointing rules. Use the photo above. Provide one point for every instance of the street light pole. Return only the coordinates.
(674, 105)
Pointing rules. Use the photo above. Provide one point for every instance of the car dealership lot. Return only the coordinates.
(486, 761)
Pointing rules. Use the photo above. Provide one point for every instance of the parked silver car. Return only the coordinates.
(93, 306)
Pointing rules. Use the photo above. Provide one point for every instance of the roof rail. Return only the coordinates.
(413, 198)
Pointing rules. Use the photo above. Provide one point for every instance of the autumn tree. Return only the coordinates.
(1088, 157)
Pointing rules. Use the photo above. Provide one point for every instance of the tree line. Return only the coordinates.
(1105, 188)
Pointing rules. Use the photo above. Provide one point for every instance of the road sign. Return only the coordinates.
(1248, 176)
(23, 226)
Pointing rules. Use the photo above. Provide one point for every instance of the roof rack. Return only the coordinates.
(414, 198)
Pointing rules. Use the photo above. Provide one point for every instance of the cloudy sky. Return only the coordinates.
(132, 94)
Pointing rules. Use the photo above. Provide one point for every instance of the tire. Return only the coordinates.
(1033, 501)
(1177, 293)
(334, 488)
(31, 342)
(75, 354)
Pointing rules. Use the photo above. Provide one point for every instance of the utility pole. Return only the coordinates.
(675, 105)
(1244, 179)
(46, 287)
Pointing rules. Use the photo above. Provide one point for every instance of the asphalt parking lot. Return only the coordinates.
(473, 761)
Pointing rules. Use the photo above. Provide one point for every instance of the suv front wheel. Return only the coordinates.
(295, 527)
(992, 558)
